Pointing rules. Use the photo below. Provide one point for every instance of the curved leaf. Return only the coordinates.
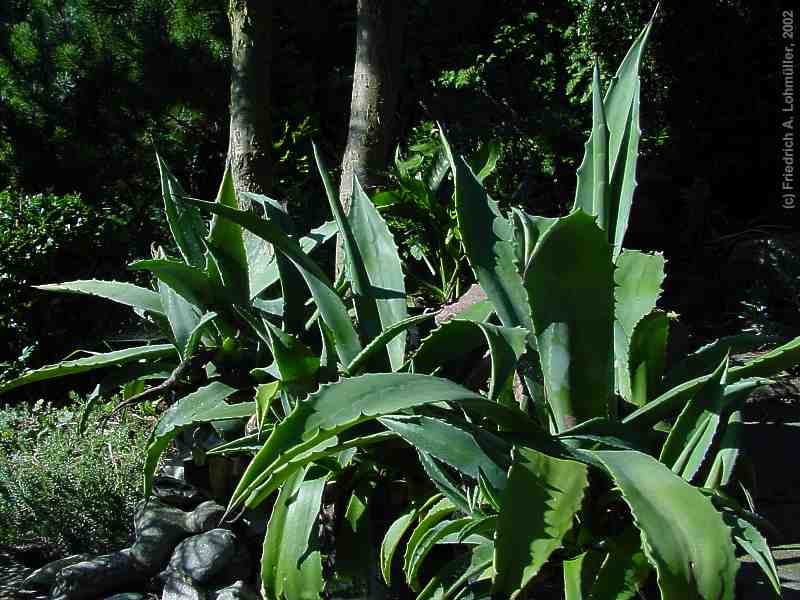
(378, 252)
(188, 281)
(488, 241)
(425, 544)
(683, 536)
(89, 363)
(331, 308)
(647, 357)
(118, 291)
(391, 541)
(226, 243)
(435, 515)
(388, 334)
(338, 407)
(202, 406)
(182, 316)
(291, 565)
(185, 221)
(550, 488)
(570, 286)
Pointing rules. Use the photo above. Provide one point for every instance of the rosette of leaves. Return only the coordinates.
(597, 461)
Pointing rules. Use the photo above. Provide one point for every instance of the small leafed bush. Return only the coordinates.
(63, 490)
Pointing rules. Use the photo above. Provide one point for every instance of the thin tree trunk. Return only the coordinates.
(379, 32)
(250, 129)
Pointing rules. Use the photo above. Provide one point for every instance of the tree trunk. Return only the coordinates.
(379, 32)
(250, 130)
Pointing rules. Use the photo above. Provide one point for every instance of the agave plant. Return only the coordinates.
(595, 460)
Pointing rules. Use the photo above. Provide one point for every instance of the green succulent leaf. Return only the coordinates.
(444, 481)
(331, 308)
(434, 516)
(720, 474)
(185, 221)
(456, 338)
(190, 282)
(202, 406)
(380, 342)
(647, 356)
(683, 535)
(391, 541)
(425, 543)
(488, 240)
(118, 291)
(624, 569)
(183, 317)
(540, 485)
(466, 448)
(378, 252)
(334, 409)
(570, 286)
(696, 435)
(291, 564)
(753, 542)
(90, 363)
(528, 230)
(295, 361)
(471, 570)
(356, 271)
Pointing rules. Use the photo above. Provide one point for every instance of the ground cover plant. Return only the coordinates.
(64, 492)
(574, 451)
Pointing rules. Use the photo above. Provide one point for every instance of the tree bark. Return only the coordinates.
(250, 128)
(379, 31)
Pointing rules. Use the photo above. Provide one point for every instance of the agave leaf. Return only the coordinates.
(592, 193)
(647, 356)
(673, 400)
(570, 286)
(439, 170)
(470, 570)
(295, 361)
(202, 406)
(185, 221)
(540, 485)
(753, 542)
(443, 481)
(89, 363)
(528, 230)
(638, 277)
(183, 317)
(720, 474)
(693, 440)
(620, 110)
(485, 162)
(380, 342)
(456, 338)
(291, 565)
(337, 407)
(118, 291)
(579, 574)
(331, 308)
(423, 546)
(190, 282)
(624, 569)
(247, 444)
(366, 307)
(683, 536)
(705, 359)
(468, 449)
(435, 515)
(265, 395)
(378, 252)
(226, 243)
(391, 541)
(195, 336)
(488, 241)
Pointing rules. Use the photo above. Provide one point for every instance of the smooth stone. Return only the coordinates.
(238, 591)
(159, 528)
(205, 517)
(127, 596)
(210, 556)
(181, 587)
(175, 492)
(96, 578)
(44, 577)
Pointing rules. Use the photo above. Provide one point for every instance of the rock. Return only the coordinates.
(212, 557)
(181, 587)
(159, 528)
(127, 596)
(44, 577)
(238, 591)
(96, 578)
(175, 492)
(205, 517)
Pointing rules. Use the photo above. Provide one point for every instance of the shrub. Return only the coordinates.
(44, 238)
(67, 491)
